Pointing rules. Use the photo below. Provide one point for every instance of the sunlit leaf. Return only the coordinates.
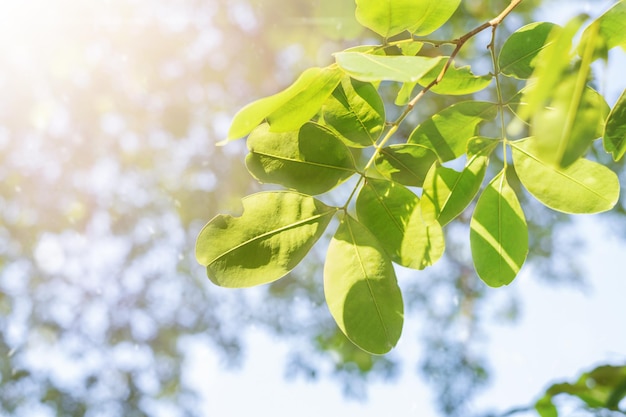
(614, 137)
(367, 67)
(582, 187)
(361, 289)
(498, 233)
(356, 112)
(390, 17)
(411, 48)
(456, 81)
(433, 14)
(392, 212)
(603, 388)
(448, 131)
(447, 192)
(274, 233)
(550, 65)
(406, 164)
(300, 108)
(292, 107)
(564, 129)
(607, 31)
(519, 52)
(481, 146)
(312, 160)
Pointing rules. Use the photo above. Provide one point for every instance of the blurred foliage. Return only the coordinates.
(108, 118)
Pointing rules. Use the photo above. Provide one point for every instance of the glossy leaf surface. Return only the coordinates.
(391, 17)
(520, 50)
(611, 26)
(582, 187)
(392, 213)
(614, 137)
(498, 234)
(274, 233)
(456, 81)
(448, 192)
(361, 289)
(312, 160)
(356, 112)
(367, 67)
(305, 97)
(448, 131)
(406, 164)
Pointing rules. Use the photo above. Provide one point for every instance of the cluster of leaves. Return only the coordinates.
(330, 125)
(601, 388)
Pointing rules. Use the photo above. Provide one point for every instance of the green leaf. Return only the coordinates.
(391, 17)
(550, 65)
(448, 131)
(602, 388)
(367, 67)
(614, 138)
(564, 129)
(405, 94)
(519, 52)
(292, 107)
(609, 29)
(545, 407)
(392, 213)
(312, 160)
(356, 112)
(307, 103)
(498, 234)
(406, 164)
(456, 81)
(447, 192)
(582, 187)
(481, 146)
(434, 13)
(361, 289)
(274, 233)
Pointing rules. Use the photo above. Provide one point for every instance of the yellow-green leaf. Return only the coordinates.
(274, 233)
(392, 212)
(582, 187)
(311, 160)
(498, 233)
(361, 289)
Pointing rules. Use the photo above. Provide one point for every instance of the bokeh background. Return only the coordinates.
(109, 115)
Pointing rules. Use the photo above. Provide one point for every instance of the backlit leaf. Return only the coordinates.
(274, 233)
(550, 65)
(312, 160)
(306, 103)
(564, 129)
(356, 112)
(361, 289)
(520, 50)
(434, 13)
(614, 137)
(390, 17)
(292, 107)
(406, 164)
(582, 187)
(447, 192)
(367, 67)
(392, 213)
(498, 234)
(456, 81)
(448, 131)
(607, 31)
